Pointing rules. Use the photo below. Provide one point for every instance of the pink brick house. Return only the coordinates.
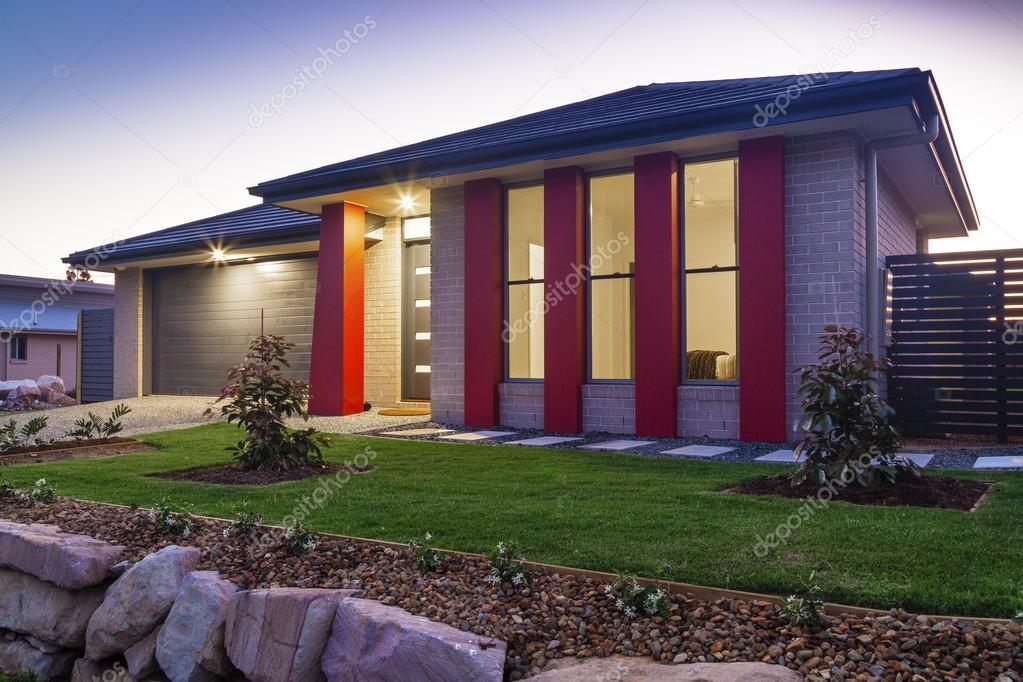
(39, 325)
(654, 261)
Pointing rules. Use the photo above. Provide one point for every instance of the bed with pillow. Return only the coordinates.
(710, 365)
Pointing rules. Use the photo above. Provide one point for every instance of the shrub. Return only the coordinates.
(7, 489)
(244, 523)
(93, 426)
(635, 600)
(171, 521)
(506, 566)
(42, 492)
(805, 607)
(13, 437)
(258, 397)
(423, 553)
(848, 431)
(299, 539)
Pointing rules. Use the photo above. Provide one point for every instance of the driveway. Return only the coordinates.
(166, 413)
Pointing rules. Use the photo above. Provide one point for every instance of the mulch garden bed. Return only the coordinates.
(556, 616)
(943, 492)
(73, 449)
(234, 474)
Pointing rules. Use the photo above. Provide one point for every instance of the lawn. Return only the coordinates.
(603, 511)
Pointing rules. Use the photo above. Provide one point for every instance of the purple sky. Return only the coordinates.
(118, 118)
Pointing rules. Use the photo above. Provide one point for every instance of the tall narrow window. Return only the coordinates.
(712, 271)
(19, 347)
(523, 331)
(612, 265)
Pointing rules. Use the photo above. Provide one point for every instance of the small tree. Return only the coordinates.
(849, 436)
(258, 397)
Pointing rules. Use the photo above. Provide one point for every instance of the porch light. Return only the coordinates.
(218, 254)
(407, 203)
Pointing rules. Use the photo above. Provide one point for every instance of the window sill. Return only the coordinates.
(709, 382)
(18, 362)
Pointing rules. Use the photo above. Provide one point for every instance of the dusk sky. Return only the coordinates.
(119, 118)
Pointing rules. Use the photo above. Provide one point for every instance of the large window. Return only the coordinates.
(612, 263)
(524, 329)
(712, 271)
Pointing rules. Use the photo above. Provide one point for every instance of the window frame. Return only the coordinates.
(507, 284)
(590, 277)
(685, 272)
(18, 341)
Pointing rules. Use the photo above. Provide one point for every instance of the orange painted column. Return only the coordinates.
(336, 372)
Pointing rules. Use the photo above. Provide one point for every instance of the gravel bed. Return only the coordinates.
(555, 616)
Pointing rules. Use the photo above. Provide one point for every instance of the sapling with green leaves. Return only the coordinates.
(805, 606)
(14, 436)
(849, 434)
(92, 426)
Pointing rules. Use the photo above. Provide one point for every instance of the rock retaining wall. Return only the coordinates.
(71, 609)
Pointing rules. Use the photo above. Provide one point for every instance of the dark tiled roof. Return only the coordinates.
(260, 223)
(640, 114)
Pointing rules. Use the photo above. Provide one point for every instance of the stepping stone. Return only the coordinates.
(699, 451)
(781, 456)
(918, 458)
(478, 435)
(1011, 462)
(617, 444)
(417, 432)
(542, 441)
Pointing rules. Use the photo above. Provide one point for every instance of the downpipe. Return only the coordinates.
(927, 136)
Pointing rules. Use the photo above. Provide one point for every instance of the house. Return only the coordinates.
(654, 261)
(39, 325)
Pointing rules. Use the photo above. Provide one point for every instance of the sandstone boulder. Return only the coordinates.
(41, 609)
(60, 400)
(70, 561)
(277, 635)
(138, 601)
(110, 671)
(372, 641)
(647, 670)
(18, 655)
(140, 657)
(23, 392)
(190, 647)
(51, 383)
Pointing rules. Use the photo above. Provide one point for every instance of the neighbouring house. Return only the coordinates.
(654, 261)
(39, 325)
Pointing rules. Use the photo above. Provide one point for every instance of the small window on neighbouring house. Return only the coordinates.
(712, 271)
(19, 348)
(524, 267)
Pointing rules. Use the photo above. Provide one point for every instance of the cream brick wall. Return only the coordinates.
(522, 404)
(41, 358)
(128, 336)
(383, 318)
(447, 306)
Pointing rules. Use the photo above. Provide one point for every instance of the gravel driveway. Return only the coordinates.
(166, 413)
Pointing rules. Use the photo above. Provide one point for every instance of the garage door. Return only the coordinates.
(204, 317)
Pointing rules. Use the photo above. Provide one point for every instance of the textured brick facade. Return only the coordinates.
(54, 354)
(522, 404)
(383, 317)
(447, 305)
(609, 407)
(711, 411)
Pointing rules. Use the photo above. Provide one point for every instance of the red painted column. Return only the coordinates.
(564, 338)
(658, 278)
(762, 289)
(336, 374)
(484, 301)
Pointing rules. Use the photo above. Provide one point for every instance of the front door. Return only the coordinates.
(415, 346)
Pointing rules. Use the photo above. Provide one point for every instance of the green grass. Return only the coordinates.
(610, 512)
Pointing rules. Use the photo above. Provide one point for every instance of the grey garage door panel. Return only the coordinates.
(204, 317)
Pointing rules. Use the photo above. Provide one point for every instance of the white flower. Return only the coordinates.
(630, 612)
(619, 603)
(608, 589)
(227, 532)
(428, 537)
(41, 482)
(517, 579)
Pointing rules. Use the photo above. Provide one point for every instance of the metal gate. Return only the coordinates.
(95, 355)
(957, 343)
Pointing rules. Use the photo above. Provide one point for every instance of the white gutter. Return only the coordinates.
(874, 273)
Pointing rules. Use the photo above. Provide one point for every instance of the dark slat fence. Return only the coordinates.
(956, 324)
(96, 355)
